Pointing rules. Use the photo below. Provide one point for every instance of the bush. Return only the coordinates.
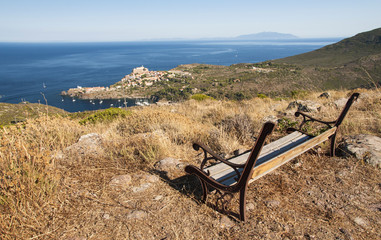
(299, 94)
(285, 123)
(239, 125)
(105, 116)
(201, 97)
(261, 95)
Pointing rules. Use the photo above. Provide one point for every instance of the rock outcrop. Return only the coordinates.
(305, 106)
(363, 147)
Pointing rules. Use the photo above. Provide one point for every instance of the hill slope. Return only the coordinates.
(13, 113)
(344, 52)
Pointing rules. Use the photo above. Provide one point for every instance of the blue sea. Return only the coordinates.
(38, 72)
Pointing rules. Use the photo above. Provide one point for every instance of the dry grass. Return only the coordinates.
(45, 197)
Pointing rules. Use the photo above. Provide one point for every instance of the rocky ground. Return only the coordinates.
(313, 197)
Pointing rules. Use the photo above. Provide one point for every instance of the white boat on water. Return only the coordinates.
(100, 102)
(141, 102)
(73, 100)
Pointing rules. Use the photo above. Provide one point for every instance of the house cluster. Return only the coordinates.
(141, 76)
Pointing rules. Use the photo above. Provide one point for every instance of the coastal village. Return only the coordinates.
(140, 77)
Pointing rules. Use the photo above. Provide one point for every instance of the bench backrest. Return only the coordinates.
(346, 108)
(253, 157)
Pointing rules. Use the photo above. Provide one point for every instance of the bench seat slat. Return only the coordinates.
(281, 144)
(217, 168)
(279, 160)
(264, 157)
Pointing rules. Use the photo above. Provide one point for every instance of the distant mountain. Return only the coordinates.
(344, 52)
(267, 36)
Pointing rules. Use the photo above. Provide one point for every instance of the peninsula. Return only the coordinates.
(133, 85)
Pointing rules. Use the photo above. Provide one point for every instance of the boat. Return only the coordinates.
(73, 99)
(43, 85)
(100, 102)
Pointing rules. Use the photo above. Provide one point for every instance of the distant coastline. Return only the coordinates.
(25, 67)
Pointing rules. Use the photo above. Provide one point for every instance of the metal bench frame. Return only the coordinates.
(230, 176)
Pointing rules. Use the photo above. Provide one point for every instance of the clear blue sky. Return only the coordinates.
(125, 20)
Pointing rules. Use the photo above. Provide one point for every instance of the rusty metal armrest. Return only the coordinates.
(214, 156)
(206, 178)
(312, 119)
(308, 118)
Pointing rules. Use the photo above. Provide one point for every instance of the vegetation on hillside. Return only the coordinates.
(14, 113)
(342, 53)
(44, 195)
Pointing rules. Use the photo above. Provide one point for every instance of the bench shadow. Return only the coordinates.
(190, 186)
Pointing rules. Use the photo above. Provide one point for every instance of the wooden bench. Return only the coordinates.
(230, 176)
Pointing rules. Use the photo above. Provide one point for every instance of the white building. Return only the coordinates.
(139, 70)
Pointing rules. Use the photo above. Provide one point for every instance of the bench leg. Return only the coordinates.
(333, 145)
(204, 190)
(242, 204)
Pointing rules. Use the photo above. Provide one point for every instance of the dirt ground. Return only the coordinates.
(312, 197)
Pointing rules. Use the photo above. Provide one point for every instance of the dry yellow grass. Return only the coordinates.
(44, 197)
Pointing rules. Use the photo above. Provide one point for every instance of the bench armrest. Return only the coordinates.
(308, 118)
(214, 156)
(205, 177)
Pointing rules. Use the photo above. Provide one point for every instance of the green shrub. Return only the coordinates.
(299, 93)
(285, 123)
(261, 95)
(105, 116)
(201, 97)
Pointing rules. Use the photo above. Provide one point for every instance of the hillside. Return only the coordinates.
(97, 177)
(349, 50)
(13, 113)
